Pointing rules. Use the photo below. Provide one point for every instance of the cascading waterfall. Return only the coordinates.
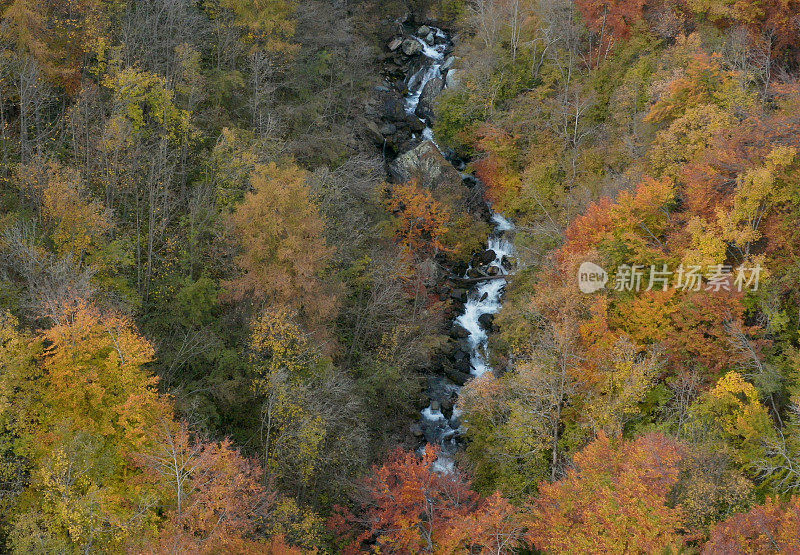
(484, 298)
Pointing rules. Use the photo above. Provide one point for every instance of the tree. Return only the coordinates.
(77, 223)
(614, 500)
(78, 420)
(410, 505)
(611, 20)
(420, 221)
(768, 528)
(214, 497)
(614, 383)
(283, 250)
(731, 413)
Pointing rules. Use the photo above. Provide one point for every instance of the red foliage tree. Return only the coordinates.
(611, 20)
(768, 528)
(411, 508)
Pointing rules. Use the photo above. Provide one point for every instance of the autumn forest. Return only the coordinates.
(400, 276)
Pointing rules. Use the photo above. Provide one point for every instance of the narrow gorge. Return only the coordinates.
(422, 57)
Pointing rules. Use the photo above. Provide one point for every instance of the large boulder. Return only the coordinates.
(426, 164)
(488, 256)
(394, 44)
(411, 47)
(448, 63)
(393, 107)
(427, 99)
(453, 81)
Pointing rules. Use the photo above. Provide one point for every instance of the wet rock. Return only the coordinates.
(486, 321)
(427, 99)
(458, 331)
(388, 129)
(459, 295)
(474, 273)
(393, 107)
(448, 63)
(394, 44)
(430, 38)
(469, 180)
(459, 268)
(411, 47)
(414, 123)
(488, 256)
(483, 297)
(460, 355)
(415, 429)
(423, 31)
(462, 366)
(435, 406)
(493, 270)
(506, 264)
(460, 378)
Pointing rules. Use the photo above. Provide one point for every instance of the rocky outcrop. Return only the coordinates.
(411, 47)
(427, 99)
(452, 79)
(426, 164)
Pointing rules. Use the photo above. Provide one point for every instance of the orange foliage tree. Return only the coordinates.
(615, 500)
(214, 497)
(283, 248)
(420, 221)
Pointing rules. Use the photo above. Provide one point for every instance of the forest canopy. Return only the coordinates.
(239, 240)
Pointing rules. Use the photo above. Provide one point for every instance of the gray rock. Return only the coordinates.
(488, 256)
(388, 129)
(415, 429)
(459, 295)
(493, 270)
(427, 99)
(429, 38)
(411, 47)
(395, 43)
(460, 378)
(426, 163)
(423, 31)
(373, 133)
(458, 331)
(452, 80)
(448, 63)
(435, 406)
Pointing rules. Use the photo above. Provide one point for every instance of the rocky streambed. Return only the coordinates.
(418, 66)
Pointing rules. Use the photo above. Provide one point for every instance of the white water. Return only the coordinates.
(485, 298)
